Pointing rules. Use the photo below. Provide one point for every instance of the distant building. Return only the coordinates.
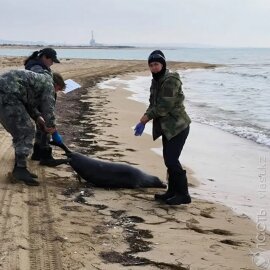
(92, 41)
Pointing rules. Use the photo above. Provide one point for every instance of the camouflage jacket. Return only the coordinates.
(166, 106)
(33, 90)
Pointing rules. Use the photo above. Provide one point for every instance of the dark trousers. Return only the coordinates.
(172, 149)
(42, 138)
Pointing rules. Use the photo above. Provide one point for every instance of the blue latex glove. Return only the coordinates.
(139, 129)
(57, 138)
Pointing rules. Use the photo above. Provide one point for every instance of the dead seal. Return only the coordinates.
(110, 174)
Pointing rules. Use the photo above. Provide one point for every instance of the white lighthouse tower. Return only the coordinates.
(92, 41)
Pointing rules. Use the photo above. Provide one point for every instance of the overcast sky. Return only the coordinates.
(230, 23)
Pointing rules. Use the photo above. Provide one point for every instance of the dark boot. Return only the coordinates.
(48, 160)
(36, 152)
(168, 194)
(181, 195)
(33, 175)
(18, 159)
(22, 174)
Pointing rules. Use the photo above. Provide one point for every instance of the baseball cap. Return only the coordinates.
(50, 53)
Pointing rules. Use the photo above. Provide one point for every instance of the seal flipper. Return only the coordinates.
(62, 146)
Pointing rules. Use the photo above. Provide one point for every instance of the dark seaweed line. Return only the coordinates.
(135, 239)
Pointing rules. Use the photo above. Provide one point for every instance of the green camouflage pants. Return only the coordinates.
(16, 120)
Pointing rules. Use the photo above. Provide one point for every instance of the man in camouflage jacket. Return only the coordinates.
(21, 94)
(170, 121)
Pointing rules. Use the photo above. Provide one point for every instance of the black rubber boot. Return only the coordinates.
(22, 174)
(18, 159)
(36, 152)
(168, 194)
(48, 160)
(181, 195)
(31, 174)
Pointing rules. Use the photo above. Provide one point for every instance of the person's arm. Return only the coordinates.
(48, 105)
(166, 102)
(144, 119)
(150, 103)
(34, 113)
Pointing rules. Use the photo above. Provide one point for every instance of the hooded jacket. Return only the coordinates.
(166, 106)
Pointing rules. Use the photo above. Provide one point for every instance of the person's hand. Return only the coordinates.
(50, 130)
(139, 129)
(144, 119)
(57, 138)
(41, 123)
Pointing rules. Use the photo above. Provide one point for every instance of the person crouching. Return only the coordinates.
(21, 93)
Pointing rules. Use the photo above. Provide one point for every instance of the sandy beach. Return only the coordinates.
(65, 224)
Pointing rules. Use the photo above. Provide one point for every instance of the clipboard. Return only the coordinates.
(71, 86)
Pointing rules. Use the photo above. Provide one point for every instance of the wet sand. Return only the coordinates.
(65, 224)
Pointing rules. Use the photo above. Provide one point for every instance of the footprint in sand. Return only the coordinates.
(207, 212)
(194, 227)
(193, 220)
(191, 224)
(216, 249)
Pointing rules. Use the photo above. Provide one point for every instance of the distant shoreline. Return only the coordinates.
(21, 46)
(84, 47)
(163, 47)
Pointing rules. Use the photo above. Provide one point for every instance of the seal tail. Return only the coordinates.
(62, 146)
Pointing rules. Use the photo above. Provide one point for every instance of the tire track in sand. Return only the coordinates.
(9, 257)
(27, 236)
(44, 248)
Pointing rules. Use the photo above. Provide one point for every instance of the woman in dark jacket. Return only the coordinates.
(41, 62)
(170, 121)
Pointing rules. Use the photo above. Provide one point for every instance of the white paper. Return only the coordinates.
(71, 86)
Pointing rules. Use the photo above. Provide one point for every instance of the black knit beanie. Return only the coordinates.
(158, 56)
